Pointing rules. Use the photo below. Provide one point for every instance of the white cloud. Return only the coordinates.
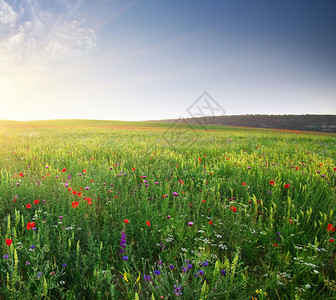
(33, 36)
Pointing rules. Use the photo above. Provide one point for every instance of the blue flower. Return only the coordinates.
(39, 275)
(171, 267)
(223, 272)
(201, 272)
(190, 266)
(64, 265)
(32, 246)
(147, 277)
(205, 264)
(5, 256)
(125, 258)
(157, 272)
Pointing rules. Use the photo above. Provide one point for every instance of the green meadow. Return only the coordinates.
(138, 210)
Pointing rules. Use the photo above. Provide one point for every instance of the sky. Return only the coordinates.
(154, 59)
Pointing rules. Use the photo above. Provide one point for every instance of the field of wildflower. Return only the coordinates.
(116, 210)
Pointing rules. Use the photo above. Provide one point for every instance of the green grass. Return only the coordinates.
(248, 238)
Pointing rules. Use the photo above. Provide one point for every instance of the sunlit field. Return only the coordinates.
(121, 210)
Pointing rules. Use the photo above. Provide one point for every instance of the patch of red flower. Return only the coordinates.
(89, 201)
(331, 240)
(126, 221)
(290, 221)
(275, 245)
(75, 204)
(21, 174)
(28, 205)
(74, 192)
(8, 242)
(64, 170)
(203, 201)
(148, 223)
(84, 170)
(243, 183)
(36, 201)
(210, 222)
(30, 225)
(272, 182)
(133, 169)
(233, 208)
(331, 228)
(200, 159)
(287, 186)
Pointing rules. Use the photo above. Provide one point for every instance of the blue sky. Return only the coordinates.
(151, 59)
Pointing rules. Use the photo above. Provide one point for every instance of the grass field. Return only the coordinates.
(126, 210)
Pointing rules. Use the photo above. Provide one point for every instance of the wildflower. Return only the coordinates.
(184, 269)
(331, 228)
(87, 188)
(27, 263)
(157, 272)
(75, 204)
(331, 240)
(36, 201)
(287, 186)
(61, 217)
(201, 272)
(190, 224)
(159, 262)
(146, 277)
(275, 244)
(123, 243)
(190, 266)
(6, 256)
(39, 275)
(8, 242)
(210, 222)
(272, 182)
(84, 170)
(30, 225)
(205, 264)
(223, 272)
(126, 221)
(243, 183)
(64, 265)
(290, 221)
(64, 170)
(125, 258)
(148, 223)
(32, 246)
(175, 194)
(171, 267)
(168, 217)
(28, 205)
(233, 208)
(177, 290)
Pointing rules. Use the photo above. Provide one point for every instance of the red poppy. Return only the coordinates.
(272, 182)
(243, 183)
(275, 245)
(287, 186)
(89, 201)
(200, 159)
(233, 208)
(210, 222)
(84, 170)
(148, 223)
(331, 240)
(331, 228)
(133, 169)
(203, 201)
(28, 205)
(8, 242)
(126, 221)
(79, 194)
(74, 192)
(75, 204)
(36, 201)
(21, 174)
(91, 180)
(64, 170)
(30, 225)
(69, 189)
(290, 221)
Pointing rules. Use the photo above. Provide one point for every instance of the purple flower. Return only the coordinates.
(39, 275)
(64, 265)
(123, 243)
(32, 246)
(201, 272)
(125, 257)
(159, 262)
(147, 277)
(190, 266)
(223, 272)
(175, 194)
(5, 256)
(87, 188)
(205, 264)
(177, 290)
(171, 267)
(168, 217)
(27, 263)
(156, 183)
(157, 272)
(190, 223)
(61, 217)
(184, 269)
